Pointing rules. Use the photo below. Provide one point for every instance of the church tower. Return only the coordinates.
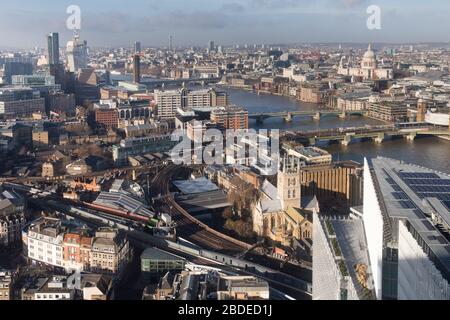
(421, 110)
(289, 187)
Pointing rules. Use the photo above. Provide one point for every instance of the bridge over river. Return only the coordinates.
(316, 114)
(378, 133)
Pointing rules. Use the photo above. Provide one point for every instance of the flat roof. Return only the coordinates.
(157, 254)
(200, 202)
(351, 238)
(195, 186)
(413, 193)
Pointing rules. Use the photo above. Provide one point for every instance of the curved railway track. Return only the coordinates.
(188, 226)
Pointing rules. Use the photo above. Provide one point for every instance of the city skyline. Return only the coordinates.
(115, 24)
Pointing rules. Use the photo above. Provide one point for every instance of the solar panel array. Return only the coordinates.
(427, 185)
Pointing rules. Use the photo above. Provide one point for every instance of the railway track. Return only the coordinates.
(188, 226)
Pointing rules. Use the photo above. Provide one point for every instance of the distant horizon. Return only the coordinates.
(114, 23)
(250, 45)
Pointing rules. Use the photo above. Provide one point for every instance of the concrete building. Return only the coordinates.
(168, 102)
(242, 288)
(110, 251)
(388, 111)
(407, 222)
(15, 66)
(45, 242)
(155, 261)
(48, 170)
(12, 218)
(40, 137)
(96, 287)
(107, 117)
(141, 146)
(48, 289)
(77, 251)
(310, 156)
(341, 181)
(86, 86)
(77, 54)
(231, 117)
(6, 282)
(20, 102)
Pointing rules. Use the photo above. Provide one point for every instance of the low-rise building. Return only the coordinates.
(96, 287)
(141, 146)
(77, 250)
(155, 261)
(310, 156)
(388, 111)
(231, 117)
(110, 251)
(12, 218)
(6, 281)
(48, 289)
(242, 288)
(45, 242)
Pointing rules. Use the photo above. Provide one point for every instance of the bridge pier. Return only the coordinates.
(346, 141)
(312, 141)
(411, 137)
(343, 115)
(288, 117)
(380, 138)
(317, 116)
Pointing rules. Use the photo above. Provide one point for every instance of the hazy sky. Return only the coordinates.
(24, 23)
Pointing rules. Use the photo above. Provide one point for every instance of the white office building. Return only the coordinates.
(45, 242)
(77, 54)
(407, 222)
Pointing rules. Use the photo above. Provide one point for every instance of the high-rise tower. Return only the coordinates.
(136, 68)
(76, 54)
(53, 48)
(137, 47)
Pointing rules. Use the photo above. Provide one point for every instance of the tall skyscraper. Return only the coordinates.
(211, 46)
(136, 68)
(53, 48)
(137, 47)
(170, 43)
(77, 53)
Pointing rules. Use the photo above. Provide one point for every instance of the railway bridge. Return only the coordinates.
(288, 116)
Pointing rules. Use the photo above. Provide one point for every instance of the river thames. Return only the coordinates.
(429, 152)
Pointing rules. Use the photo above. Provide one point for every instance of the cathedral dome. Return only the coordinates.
(369, 60)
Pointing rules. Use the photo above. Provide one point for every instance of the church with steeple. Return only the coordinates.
(281, 213)
(368, 69)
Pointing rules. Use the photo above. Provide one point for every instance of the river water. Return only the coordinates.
(429, 152)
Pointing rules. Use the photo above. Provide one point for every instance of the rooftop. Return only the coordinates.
(418, 194)
(199, 185)
(156, 254)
